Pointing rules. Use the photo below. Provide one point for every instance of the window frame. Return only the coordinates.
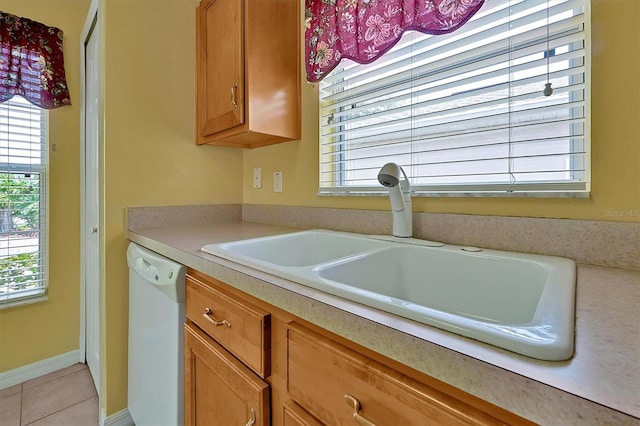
(40, 292)
(534, 190)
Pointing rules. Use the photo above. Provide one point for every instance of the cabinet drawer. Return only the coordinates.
(333, 382)
(243, 329)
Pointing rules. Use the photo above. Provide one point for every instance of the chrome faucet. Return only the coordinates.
(393, 177)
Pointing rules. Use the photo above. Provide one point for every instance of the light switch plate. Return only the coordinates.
(257, 177)
(277, 182)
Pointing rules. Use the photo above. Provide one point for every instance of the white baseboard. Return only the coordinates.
(121, 418)
(37, 369)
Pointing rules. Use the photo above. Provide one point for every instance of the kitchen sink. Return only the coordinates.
(497, 290)
(520, 302)
(294, 250)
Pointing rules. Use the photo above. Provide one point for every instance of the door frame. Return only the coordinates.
(91, 24)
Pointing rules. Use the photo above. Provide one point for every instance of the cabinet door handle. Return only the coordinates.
(207, 315)
(252, 420)
(355, 404)
(234, 90)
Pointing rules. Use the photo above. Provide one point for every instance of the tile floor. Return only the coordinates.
(65, 397)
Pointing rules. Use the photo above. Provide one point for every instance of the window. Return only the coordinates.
(464, 113)
(23, 201)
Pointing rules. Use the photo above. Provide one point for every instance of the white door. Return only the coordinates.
(91, 207)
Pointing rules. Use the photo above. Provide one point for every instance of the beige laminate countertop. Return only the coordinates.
(599, 385)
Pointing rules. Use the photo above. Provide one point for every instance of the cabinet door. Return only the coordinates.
(294, 415)
(220, 66)
(219, 389)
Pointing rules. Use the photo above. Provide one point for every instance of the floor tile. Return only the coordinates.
(10, 410)
(84, 413)
(53, 375)
(53, 395)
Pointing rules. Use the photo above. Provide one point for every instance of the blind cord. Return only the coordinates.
(548, 90)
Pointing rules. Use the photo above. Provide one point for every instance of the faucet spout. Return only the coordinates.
(393, 177)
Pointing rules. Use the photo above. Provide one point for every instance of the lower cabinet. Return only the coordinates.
(341, 386)
(294, 415)
(219, 389)
(261, 365)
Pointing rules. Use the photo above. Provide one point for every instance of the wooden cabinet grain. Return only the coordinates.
(294, 415)
(242, 328)
(247, 72)
(339, 385)
(219, 389)
(314, 377)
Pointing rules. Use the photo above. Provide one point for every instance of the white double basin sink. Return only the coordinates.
(520, 302)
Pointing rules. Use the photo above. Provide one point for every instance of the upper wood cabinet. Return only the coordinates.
(248, 72)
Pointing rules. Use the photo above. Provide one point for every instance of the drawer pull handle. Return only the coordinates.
(355, 404)
(207, 315)
(252, 420)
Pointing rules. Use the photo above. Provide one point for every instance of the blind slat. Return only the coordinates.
(447, 83)
(455, 124)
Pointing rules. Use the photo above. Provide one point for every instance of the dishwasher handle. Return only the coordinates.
(155, 269)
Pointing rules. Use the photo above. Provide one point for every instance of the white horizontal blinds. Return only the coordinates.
(23, 171)
(465, 112)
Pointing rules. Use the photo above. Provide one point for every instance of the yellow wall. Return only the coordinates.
(150, 154)
(615, 127)
(150, 159)
(31, 333)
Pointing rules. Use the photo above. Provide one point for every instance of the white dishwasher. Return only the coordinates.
(156, 339)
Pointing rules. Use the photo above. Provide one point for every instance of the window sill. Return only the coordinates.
(34, 296)
(343, 192)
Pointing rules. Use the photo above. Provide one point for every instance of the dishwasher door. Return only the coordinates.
(156, 339)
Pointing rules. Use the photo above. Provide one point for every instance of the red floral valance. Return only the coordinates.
(362, 30)
(31, 62)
